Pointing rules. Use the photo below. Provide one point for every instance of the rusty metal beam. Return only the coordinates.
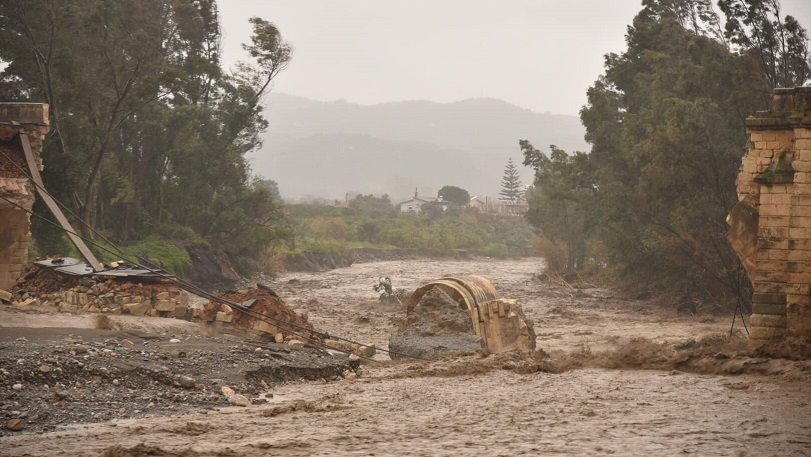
(54, 207)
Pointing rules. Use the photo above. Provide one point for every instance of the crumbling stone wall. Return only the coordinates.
(43, 286)
(31, 120)
(771, 226)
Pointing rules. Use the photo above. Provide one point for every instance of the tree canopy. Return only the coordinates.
(453, 195)
(149, 132)
(665, 124)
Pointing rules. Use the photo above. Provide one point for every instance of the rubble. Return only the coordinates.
(235, 398)
(95, 377)
(282, 324)
(42, 286)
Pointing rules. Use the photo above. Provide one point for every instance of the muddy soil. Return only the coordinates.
(612, 376)
(83, 369)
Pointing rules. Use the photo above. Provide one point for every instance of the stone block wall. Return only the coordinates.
(92, 294)
(774, 184)
(31, 120)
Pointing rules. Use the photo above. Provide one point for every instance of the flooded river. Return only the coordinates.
(616, 377)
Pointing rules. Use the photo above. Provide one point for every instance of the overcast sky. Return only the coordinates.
(539, 54)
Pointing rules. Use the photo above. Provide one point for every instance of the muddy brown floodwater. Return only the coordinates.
(614, 377)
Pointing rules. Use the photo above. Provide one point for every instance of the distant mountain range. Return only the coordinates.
(316, 149)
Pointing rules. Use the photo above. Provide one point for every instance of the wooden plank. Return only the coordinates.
(54, 207)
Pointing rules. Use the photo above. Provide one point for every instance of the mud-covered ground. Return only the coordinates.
(614, 377)
(83, 369)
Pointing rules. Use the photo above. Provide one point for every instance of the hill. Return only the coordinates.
(325, 149)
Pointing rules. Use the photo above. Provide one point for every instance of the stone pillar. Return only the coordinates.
(30, 119)
(774, 187)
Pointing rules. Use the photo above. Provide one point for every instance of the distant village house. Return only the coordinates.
(414, 205)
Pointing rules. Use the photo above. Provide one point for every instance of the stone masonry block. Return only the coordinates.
(165, 305)
(769, 298)
(771, 265)
(799, 233)
(773, 210)
(766, 333)
(800, 211)
(798, 267)
(776, 221)
(771, 276)
(772, 232)
(804, 299)
(798, 319)
(767, 287)
(798, 245)
(768, 320)
(799, 278)
(803, 166)
(763, 308)
(802, 132)
(798, 289)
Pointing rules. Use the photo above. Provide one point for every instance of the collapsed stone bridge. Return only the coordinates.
(770, 228)
(17, 120)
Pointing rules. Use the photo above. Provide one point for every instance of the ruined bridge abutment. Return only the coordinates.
(16, 119)
(771, 225)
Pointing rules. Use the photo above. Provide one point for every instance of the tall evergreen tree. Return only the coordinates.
(511, 187)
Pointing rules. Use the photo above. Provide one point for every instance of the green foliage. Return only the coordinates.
(779, 42)
(370, 205)
(429, 233)
(149, 131)
(453, 195)
(560, 197)
(314, 254)
(665, 123)
(170, 257)
(331, 228)
(511, 187)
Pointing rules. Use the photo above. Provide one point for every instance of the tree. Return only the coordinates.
(560, 198)
(371, 206)
(665, 124)
(148, 130)
(511, 188)
(453, 195)
(780, 43)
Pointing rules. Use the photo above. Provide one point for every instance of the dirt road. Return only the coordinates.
(617, 377)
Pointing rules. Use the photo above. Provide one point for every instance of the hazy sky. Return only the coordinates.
(539, 54)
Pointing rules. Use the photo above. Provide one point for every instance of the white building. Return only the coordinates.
(414, 205)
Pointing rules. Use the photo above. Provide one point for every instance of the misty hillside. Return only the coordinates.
(325, 149)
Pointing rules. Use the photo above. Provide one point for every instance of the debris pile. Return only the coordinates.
(269, 316)
(42, 286)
